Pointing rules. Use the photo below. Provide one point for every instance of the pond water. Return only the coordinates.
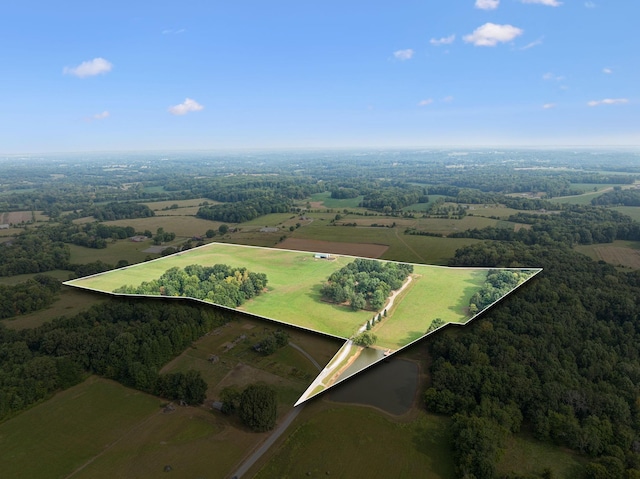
(390, 385)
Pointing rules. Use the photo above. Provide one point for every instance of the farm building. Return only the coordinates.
(322, 256)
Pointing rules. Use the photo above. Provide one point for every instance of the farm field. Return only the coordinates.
(69, 303)
(424, 206)
(618, 253)
(71, 428)
(632, 211)
(393, 449)
(121, 249)
(324, 199)
(184, 226)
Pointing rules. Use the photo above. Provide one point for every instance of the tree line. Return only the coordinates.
(220, 284)
(246, 210)
(128, 341)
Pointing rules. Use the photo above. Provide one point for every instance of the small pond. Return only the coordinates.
(390, 385)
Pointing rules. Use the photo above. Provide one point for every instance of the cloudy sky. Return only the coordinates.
(214, 74)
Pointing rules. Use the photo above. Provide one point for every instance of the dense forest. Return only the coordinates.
(220, 284)
(496, 285)
(31, 295)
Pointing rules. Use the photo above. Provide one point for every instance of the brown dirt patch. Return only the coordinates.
(15, 217)
(316, 204)
(617, 255)
(367, 250)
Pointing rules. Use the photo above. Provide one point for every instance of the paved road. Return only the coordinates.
(281, 428)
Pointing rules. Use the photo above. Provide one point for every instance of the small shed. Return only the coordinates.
(322, 256)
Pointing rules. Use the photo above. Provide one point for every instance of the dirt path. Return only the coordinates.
(277, 432)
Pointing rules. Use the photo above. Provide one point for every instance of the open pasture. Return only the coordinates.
(324, 199)
(632, 211)
(294, 297)
(362, 440)
(618, 253)
(58, 436)
(183, 226)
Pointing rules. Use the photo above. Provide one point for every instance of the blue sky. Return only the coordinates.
(141, 75)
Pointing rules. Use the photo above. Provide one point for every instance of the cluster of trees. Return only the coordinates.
(560, 357)
(188, 387)
(129, 341)
(120, 211)
(365, 339)
(246, 210)
(31, 295)
(256, 405)
(618, 197)
(394, 198)
(272, 342)
(496, 285)
(365, 283)
(220, 284)
(32, 253)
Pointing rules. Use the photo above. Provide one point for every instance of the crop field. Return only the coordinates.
(618, 253)
(161, 205)
(416, 449)
(488, 211)
(365, 250)
(413, 249)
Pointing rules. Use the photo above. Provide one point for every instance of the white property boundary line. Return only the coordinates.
(534, 271)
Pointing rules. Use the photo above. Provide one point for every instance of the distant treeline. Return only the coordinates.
(128, 341)
(220, 284)
(365, 283)
(120, 211)
(575, 225)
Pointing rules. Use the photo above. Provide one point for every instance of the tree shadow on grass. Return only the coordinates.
(461, 307)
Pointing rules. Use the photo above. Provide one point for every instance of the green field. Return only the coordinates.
(328, 202)
(122, 249)
(363, 440)
(446, 296)
(632, 211)
(61, 434)
(294, 296)
(424, 206)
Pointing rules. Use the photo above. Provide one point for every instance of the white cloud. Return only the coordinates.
(549, 106)
(89, 68)
(175, 32)
(590, 4)
(403, 54)
(101, 116)
(426, 102)
(442, 41)
(608, 71)
(608, 101)
(551, 3)
(552, 76)
(185, 107)
(447, 99)
(490, 34)
(487, 4)
(534, 43)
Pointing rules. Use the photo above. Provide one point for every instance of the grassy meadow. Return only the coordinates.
(294, 297)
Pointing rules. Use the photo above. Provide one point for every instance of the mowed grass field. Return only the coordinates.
(352, 441)
(294, 296)
(434, 293)
(294, 283)
(325, 200)
(632, 211)
(58, 436)
(618, 253)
